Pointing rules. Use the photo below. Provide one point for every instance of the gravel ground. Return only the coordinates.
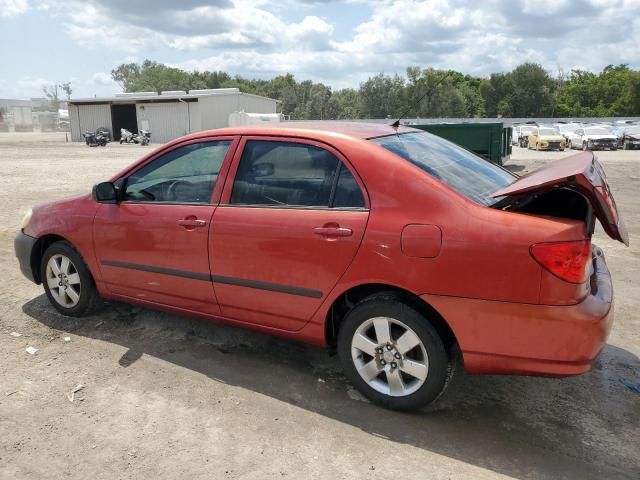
(166, 396)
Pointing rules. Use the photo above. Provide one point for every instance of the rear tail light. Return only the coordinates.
(566, 260)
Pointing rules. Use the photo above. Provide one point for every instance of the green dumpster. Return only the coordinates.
(489, 140)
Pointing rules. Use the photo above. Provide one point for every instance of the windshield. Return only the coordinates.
(462, 170)
(596, 131)
(547, 131)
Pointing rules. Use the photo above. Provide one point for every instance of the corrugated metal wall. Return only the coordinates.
(215, 109)
(93, 117)
(74, 123)
(88, 118)
(165, 120)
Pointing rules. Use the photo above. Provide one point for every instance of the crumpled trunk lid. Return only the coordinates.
(583, 173)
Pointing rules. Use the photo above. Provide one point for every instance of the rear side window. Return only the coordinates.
(292, 174)
(462, 170)
(348, 193)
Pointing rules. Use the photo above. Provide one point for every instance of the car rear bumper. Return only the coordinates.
(23, 245)
(514, 338)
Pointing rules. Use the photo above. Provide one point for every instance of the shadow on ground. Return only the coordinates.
(531, 428)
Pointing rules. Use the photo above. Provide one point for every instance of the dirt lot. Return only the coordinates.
(167, 396)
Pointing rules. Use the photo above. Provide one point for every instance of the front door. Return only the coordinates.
(289, 225)
(153, 246)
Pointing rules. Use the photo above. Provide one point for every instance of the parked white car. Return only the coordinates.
(523, 134)
(592, 138)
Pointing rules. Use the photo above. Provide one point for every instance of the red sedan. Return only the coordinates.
(395, 248)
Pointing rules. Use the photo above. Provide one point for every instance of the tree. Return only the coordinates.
(382, 96)
(66, 88)
(52, 92)
(527, 91)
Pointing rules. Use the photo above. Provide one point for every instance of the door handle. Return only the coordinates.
(333, 231)
(191, 223)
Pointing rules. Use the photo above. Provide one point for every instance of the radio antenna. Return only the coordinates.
(396, 124)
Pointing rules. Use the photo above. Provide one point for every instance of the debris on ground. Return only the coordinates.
(98, 324)
(355, 395)
(630, 385)
(320, 380)
(71, 395)
(67, 339)
(15, 334)
(31, 350)
(8, 394)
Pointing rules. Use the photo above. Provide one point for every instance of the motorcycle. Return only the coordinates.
(142, 138)
(99, 138)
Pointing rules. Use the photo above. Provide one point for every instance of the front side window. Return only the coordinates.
(460, 169)
(184, 175)
(284, 173)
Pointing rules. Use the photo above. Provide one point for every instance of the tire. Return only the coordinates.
(78, 297)
(584, 145)
(367, 324)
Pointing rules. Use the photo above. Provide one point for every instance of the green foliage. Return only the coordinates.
(527, 91)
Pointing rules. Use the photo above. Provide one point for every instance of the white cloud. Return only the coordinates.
(33, 84)
(253, 38)
(11, 8)
(101, 78)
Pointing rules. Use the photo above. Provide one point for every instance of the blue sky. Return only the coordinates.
(339, 43)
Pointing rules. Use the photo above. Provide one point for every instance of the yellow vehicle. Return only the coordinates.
(545, 138)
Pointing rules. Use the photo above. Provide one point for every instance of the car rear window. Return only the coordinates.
(462, 170)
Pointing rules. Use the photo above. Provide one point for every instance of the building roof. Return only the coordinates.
(163, 96)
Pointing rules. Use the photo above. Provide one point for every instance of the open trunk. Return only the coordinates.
(574, 187)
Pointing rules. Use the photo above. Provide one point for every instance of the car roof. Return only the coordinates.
(360, 130)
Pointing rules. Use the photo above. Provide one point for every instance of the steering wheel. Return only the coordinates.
(177, 189)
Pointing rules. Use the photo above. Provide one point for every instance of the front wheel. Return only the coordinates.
(392, 354)
(67, 281)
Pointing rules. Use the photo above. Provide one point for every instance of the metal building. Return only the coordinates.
(167, 115)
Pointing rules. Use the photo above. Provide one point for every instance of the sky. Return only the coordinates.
(338, 43)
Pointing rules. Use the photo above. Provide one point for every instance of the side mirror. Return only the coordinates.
(105, 192)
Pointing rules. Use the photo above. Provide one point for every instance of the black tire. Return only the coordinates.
(440, 367)
(89, 301)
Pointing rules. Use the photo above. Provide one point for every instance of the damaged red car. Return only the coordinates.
(398, 250)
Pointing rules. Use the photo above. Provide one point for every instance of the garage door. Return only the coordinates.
(165, 120)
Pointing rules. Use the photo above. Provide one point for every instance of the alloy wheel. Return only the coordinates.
(389, 356)
(63, 281)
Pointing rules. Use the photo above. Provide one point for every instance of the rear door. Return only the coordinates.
(583, 173)
(291, 220)
(153, 246)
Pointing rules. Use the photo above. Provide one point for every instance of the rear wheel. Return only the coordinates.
(67, 281)
(392, 354)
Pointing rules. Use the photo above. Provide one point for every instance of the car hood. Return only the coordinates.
(551, 138)
(599, 137)
(581, 172)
